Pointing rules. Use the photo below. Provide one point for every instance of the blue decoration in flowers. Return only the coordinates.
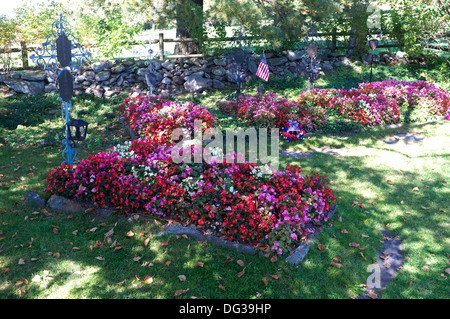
(293, 131)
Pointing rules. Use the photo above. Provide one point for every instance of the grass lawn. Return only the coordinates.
(404, 188)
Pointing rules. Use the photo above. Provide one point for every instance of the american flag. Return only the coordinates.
(263, 69)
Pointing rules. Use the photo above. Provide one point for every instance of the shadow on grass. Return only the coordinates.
(79, 273)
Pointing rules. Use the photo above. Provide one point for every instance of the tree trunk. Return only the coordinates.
(183, 27)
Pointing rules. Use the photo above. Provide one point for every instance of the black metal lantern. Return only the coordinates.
(373, 39)
(77, 130)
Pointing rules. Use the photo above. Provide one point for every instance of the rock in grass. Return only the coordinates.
(33, 199)
(63, 204)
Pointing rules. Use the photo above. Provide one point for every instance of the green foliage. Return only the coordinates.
(34, 23)
(7, 37)
(414, 23)
(112, 35)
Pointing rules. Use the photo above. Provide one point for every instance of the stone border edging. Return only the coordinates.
(63, 204)
(295, 258)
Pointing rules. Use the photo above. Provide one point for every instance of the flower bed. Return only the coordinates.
(235, 201)
(271, 111)
(383, 102)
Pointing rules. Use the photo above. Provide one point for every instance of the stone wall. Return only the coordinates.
(107, 78)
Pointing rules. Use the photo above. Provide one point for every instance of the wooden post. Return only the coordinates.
(333, 40)
(161, 46)
(23, 48)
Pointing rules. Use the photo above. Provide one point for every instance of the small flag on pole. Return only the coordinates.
(263, 69)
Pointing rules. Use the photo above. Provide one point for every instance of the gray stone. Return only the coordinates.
(38, 75)
(142, 71)
(401, 55)
(277, 61)
(110, 93)
(26, 87)
(196, 84)
(252, 66)
(168, 65)
(33, 199)
(103, 76)
(298, 255)
(98, 92)
(100, 66)
(90, 75)
(166, 81)
(50, 87)
(218, 70)
(181, 230)
(15, 75)
(156, 66)
(292, 56)
(79, 79)
(3, 77)
(216, 84)
(63, 204)
(119, 68)
(220, 62)
(232, 73)
(178, 80)
(238, 247)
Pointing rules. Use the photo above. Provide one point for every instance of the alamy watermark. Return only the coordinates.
(374, 280)
(239, 146)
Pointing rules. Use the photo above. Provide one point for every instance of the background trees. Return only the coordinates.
(277, 24)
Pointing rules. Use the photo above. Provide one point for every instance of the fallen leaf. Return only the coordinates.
(91, 230)
(182, 277)
(199, 264)
(164, 243)
(99, 258)
(321, 247)
(75, 232)
(148, 280)
(222, 287)
(241, 273)
(130, 234)
(240, 263)
(364, 236)
(416, 189)
(344, 231)
(56, 255)
(109, 233)
(265, 281)
(337, 258)
(372, 294)
(426, 268)
(137, 258)
(146, 241)
(274, 276)
(353, 245)
(335, 264)
(425, 208)
(180, 292)
(21, 261)
(274, 259)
